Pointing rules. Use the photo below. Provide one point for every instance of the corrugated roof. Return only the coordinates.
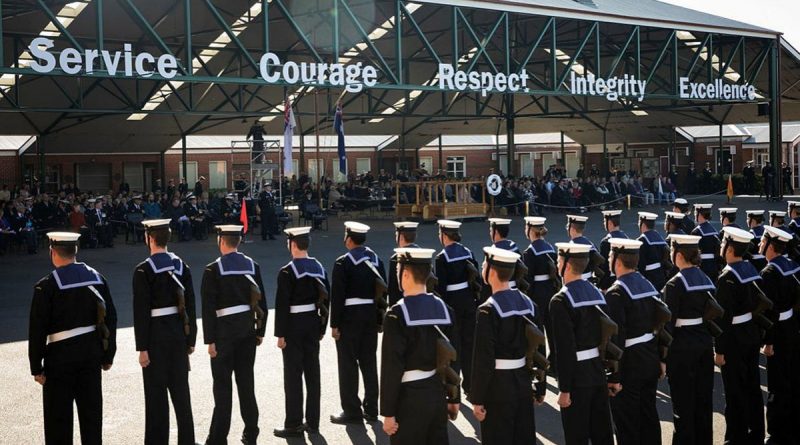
(485, 140)
(712, 132)
(759, 134)
(750, 133)
(13, 143)
(226, 141)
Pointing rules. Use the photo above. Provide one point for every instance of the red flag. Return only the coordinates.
(243, 216)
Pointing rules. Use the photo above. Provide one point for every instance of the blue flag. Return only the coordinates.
(338, 126)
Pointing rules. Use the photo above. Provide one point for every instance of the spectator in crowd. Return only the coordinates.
(152, 209)
(179, 221)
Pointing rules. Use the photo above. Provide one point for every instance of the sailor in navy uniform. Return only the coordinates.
(681, 206)
(354, 324)
(594, 269)
(673, 223)
(654, 263)
(737, 349)
(69, 343)
(453, 284)
(405, 236)
(783, 339)
(710, 261)
(727, 217)
(632, 304)
(755, 220)
(690, 360)
(611, 222)
(165, 328)
(413, 399)
(793, 210)
(232, 328)
(299, 329)
(498, 233)
(540, 259)
(501, 392)
(777, 219)
(575, 313)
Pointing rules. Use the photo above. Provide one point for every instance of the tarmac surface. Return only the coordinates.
(21, 405)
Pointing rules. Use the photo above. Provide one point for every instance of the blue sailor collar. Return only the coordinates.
(424, 310)
(456, 252)
(757, 231)
(706, 229)
(507, 244)
(307, 267)
(236, 263)
(695, 279)
(785, 265)
(744, 271)
(511, 302)
(164, 262)
(636, 286)
(795, 222)
(76, 275)
(652, 238)
(615, 234)
(583, 293)
(583, 240)
(360, 254)
(541, 247)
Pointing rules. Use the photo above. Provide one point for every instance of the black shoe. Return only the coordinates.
(370, 417)
(344, 419)
(289, 432)
(311, 429)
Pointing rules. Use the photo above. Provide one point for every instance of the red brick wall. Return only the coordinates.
(9, 170)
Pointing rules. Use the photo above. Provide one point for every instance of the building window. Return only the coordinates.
(217, 175)
(526, 164)
(191, 176)
(133, 174)
(337, 175)
(313, 165)
(456, 166)
(428, 162)
(93, 177)
(363, 165)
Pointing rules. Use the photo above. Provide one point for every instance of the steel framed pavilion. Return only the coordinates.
(218, 87)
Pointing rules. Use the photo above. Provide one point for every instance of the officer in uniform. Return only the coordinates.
(680, 205)
(355, 279)
(654, 262)
(72, 336)
(727, 217)
(755, 221)
(594, 269)
(234, 323)
(501, 393)
(634, 303)
(458, 282)
(415, 402)
(794, 215)
(269, 220)
(710, 260)
(301, 311)
(611, 224)
(673, 223)
(405, 236)
(165, 328)
(690, 360)
(737, 349)
(780, 281)
(196, 216)
(575, 313)
(540, 259)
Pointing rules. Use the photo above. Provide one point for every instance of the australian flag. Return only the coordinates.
(338, 126)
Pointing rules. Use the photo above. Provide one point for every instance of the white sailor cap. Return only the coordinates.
(63, 238)
(573, 249)
(155, 224)
(191, 196)
(776, 214)
(500, 257)
(230, 196)
(680, 202)
(754, 213)
(297, 232)
(535, 220)
(728, 211)
(736, 235)
(793, 205)
(406, 226)
(448, 224)
(499, 222)
(137, 197)
(611, 213)
(698, 207)
(774, 233)
(414, 255)
(677, 241)
(675, 216)
(576, 219)
(355, 227)
(624, 245)
(91, 201)
(230, 230)
(648, 216)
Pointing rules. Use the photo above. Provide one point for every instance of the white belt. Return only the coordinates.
(644, 338)
(652, 266)
(512, 283)
(544, 277)
(417, 374)
(457, 286)
(358, 301)
(162, 311)
(688, 322)
(63, 335)
(588, 354)
(300, 308)
(786, 315)
(707, 256)
(238, 309)
(739, 319)
(758, 257)
(516, 363)
(586, 276)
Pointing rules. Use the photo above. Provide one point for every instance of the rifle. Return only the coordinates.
(552, 271)
(534, 360)
(666, 260)
(446, 354)
(712, 311)
(102, 329)
(322, 305)
(521, 276)
(381, 290)
(610, 352)
(764, 305)
(181, 299)
(255, 297)
(662, 316)
(595, 262)
(474, 279)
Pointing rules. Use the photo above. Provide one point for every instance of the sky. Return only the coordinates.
(778, 15)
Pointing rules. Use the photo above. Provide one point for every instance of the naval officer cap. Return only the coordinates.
(647, 216)
(573, 250)
(499, 222)
(728, 211)
(355, 227)
(677, 241)
(776, 234)
(577, 220)
(155, 224)
(406, 226)
(230, 230)
(535, 221)
(734, 235)
(448, 225)
(500, 257)
(773, 214)
(63, 238)
(297, 232)
(624, 245)
(414, 255)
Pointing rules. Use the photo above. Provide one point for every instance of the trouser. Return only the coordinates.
(542, 300)
(744, 405)
(78, 383)
(421, 414)
(635, 415)
(465, 322)
(691, 386)
(269, 224)
(356, 349)
(301, 359)
(168, 371)
(509, 422)
(233, 356)
(783, 404)
(588, 417)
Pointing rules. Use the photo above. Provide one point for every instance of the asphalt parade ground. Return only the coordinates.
(123, 421)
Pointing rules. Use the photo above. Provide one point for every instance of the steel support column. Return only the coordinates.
(563, 154)
(775, 135)
(440, 152)
(2, 41)
(509, 135)
(183, 160)
(606, 167)
(162, 167)
(40, 149)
